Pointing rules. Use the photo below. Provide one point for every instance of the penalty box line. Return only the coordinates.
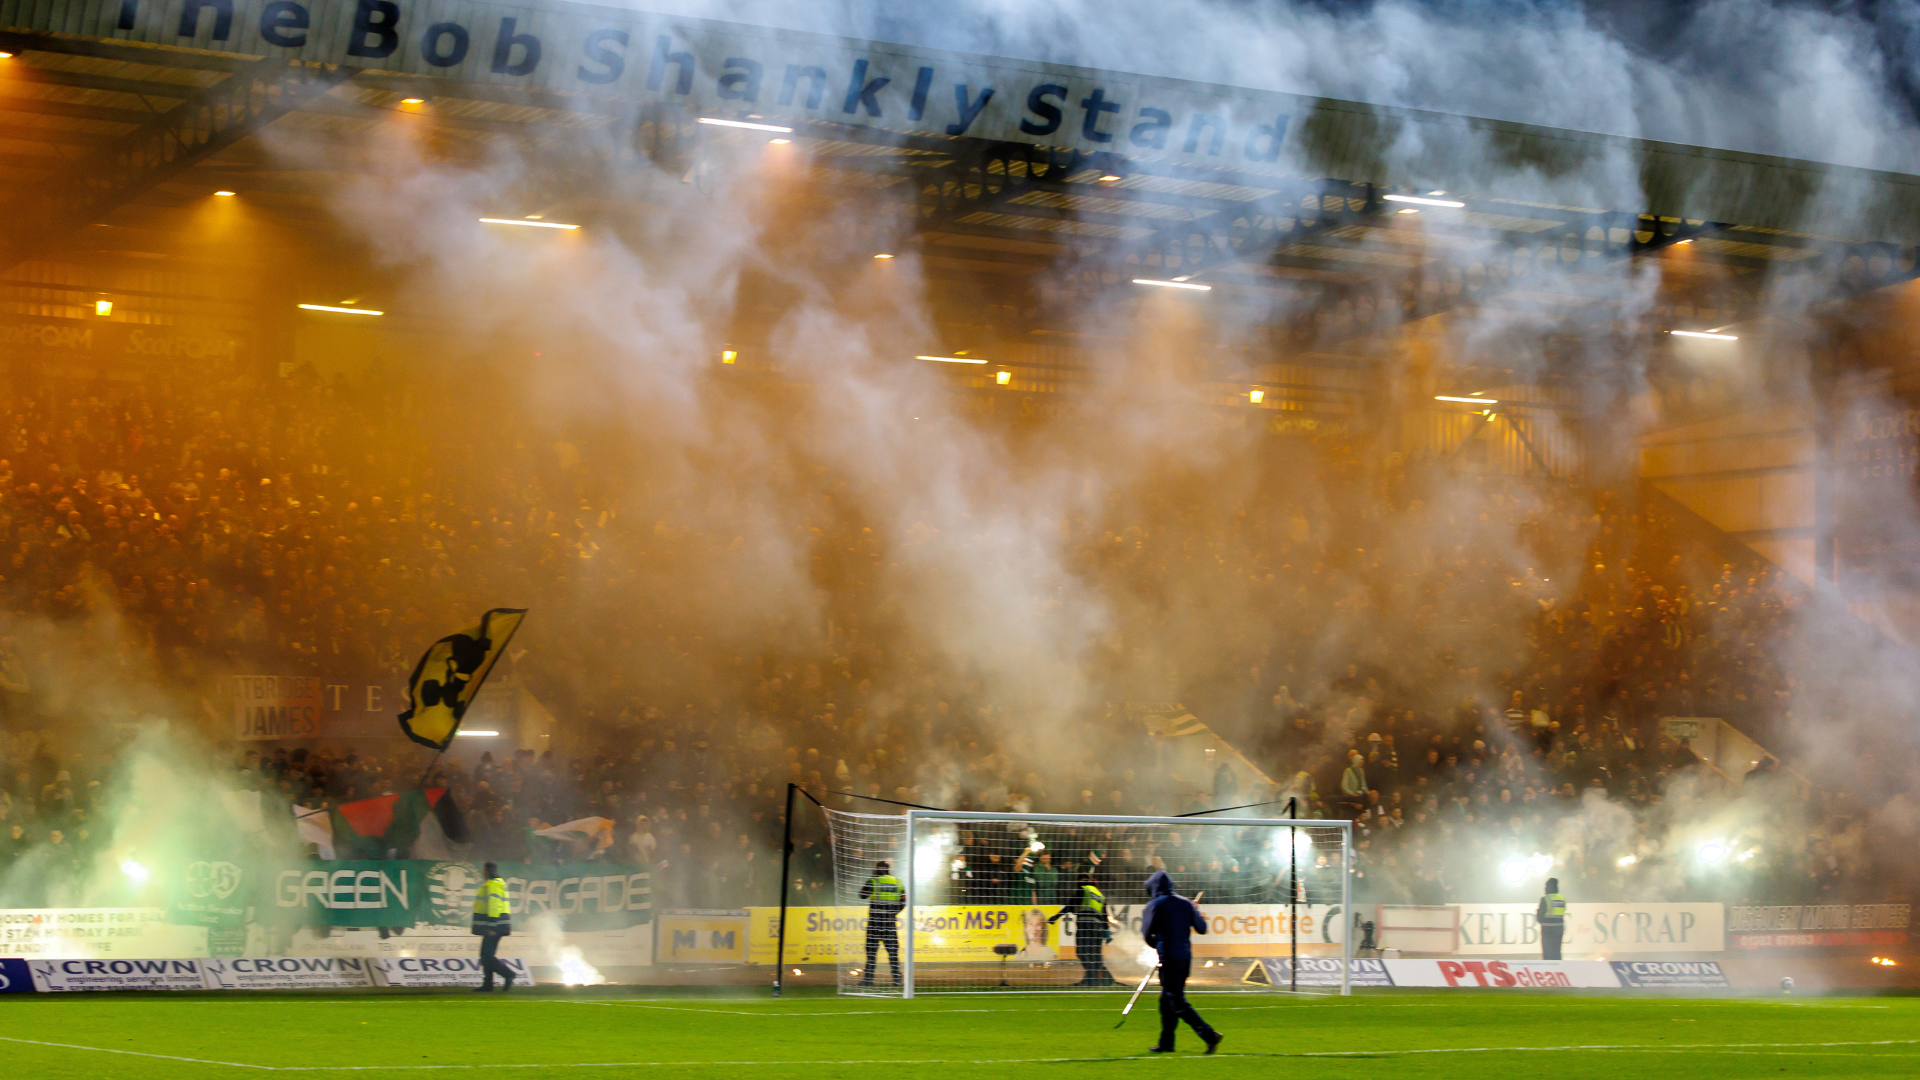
(1776, 1049)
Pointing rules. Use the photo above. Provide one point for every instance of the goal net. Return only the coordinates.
(1017, 902)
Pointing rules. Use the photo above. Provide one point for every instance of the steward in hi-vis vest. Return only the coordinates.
(885, 897)
(1552, 917)
(1090, 932)
(492, 920)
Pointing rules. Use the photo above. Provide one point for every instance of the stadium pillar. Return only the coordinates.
(786, 861)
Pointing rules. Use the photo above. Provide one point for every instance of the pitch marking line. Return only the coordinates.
(1773, 1049)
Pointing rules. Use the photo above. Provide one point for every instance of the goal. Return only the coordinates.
(1000, 903)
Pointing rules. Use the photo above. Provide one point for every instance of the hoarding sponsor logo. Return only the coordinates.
(286, 972)
(1500, 973)
(66, 975)
(47, 335)
(1518, 974)
(442, 970)
(1669, 973)
(1324, 971)
(1809, 917)
(15, 977)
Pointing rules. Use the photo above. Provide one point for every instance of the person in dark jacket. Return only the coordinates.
(1166, 923)
(1090, 932)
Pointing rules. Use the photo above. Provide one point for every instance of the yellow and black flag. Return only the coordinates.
(449, 675)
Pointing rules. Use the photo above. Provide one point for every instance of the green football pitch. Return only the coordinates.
(601, 1031)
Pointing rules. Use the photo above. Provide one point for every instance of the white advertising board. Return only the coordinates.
(441, 971)
(629, 947)
(1596, 930)
(1532, 974)
(86, 933)
(287, 973)
(59, 976)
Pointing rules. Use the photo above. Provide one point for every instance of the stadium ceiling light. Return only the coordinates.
(951, 360)
(1421, 201)
(525, 221)
(1109, 178)
(1256, 396)
(1467, 400)
(883, 256)
(1173, 284)
(717, 122)
(1409, 210)
(778, 142)
(474, 734)
(103, 307)
(224, 194)
(341, 310)
(1703, 334)
(1003, 378)
(413, 101)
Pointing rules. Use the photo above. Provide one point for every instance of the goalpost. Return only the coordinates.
(1000, 903)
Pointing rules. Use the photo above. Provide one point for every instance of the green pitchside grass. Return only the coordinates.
(587, 1033)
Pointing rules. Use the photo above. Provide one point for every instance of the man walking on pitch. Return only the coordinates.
(491, 922)
(885, 896)
(1165, 924)
(1090, 932)
(1552, 917)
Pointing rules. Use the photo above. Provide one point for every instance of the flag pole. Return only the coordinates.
(786, 860)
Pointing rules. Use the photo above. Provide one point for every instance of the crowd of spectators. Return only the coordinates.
(1459, 661)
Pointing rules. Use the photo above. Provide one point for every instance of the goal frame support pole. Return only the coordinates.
(786, 863)
(906, 933)
(911, 886)
(1346, 914)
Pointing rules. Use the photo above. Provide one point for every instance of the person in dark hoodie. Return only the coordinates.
(1166, 923)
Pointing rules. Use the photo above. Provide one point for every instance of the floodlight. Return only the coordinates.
(1703, 334)
(1003, 378)
(340, 310)
(103, 307)
(1467, 400)
(717, 122)
(1256, 396)
(1419, 201)
(527, 222)
(951, 359)
(1173, 284)
(475, 733)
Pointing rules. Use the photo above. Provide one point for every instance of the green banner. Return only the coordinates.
(402, 892)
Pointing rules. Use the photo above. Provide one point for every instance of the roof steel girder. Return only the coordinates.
(166, 145)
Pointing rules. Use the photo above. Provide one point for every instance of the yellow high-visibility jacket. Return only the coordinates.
(490, 911)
